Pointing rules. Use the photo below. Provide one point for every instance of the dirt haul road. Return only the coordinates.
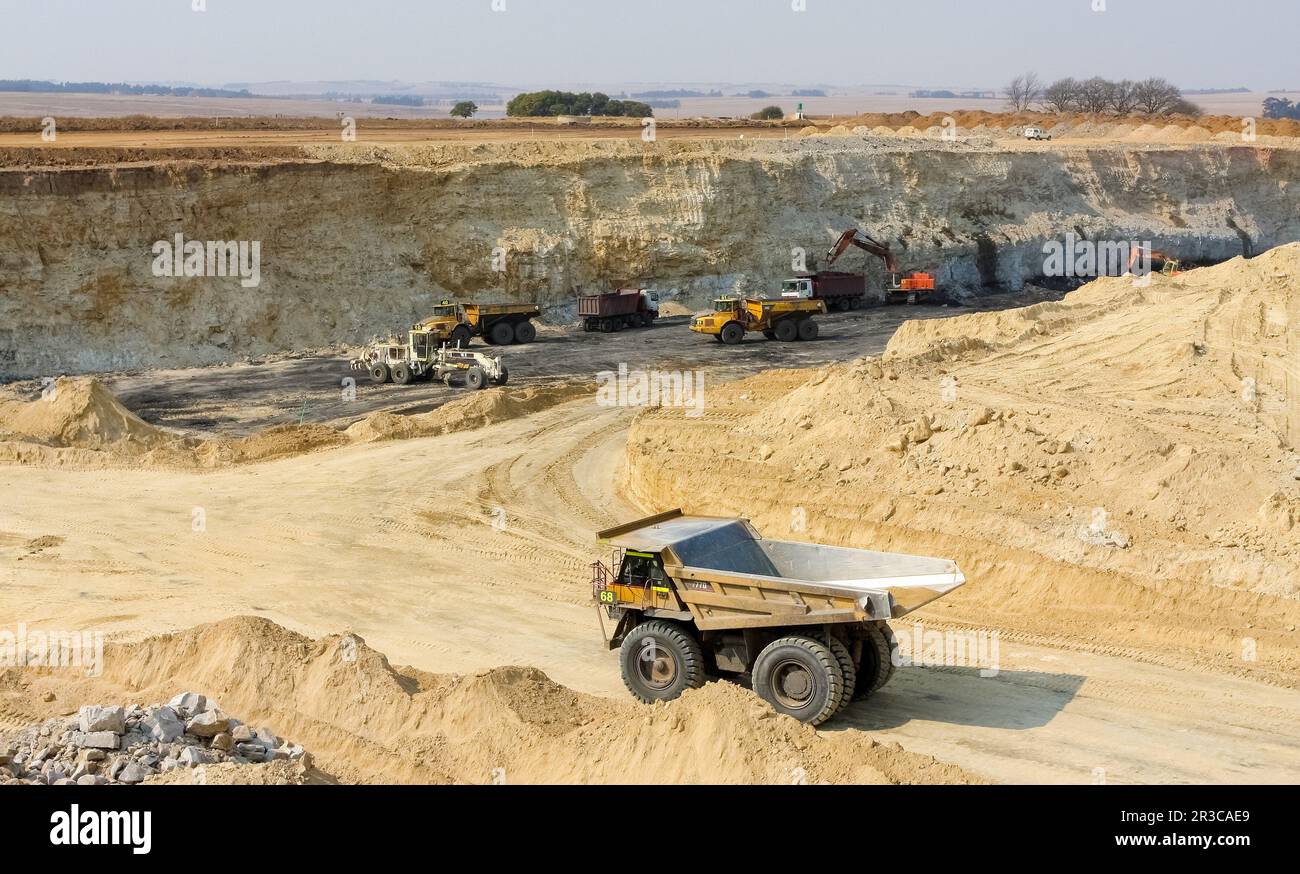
(396, 542)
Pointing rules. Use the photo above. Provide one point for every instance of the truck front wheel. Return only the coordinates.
(660, 660)
(732, 333)
(800, 677)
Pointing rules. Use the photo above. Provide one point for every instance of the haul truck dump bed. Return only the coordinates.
(806, 621)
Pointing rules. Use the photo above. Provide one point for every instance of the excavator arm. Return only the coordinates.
(855, 237)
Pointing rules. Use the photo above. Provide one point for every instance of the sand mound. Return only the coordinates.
(78, 413)
(670, 308)
(1195, 134)
(809, 131)
(82, 424)
(1124, 458)
(882, 131)
(473, 411)
(365, 720)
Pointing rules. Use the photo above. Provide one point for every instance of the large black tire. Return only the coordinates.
(800, 677)
(379, 373)
(525, 332)
(647, 320)
(786, 330)
(461, 335)
(475, 378)
(731, 333)
(402, 374)
(807, 329)
(502, 334)
(847, 667)
(876, 665)
(503, 378)
(660, 660)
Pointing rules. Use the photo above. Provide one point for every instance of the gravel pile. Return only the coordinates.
(130, 744)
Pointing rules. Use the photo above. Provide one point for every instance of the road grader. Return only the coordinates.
(691, 596)
(423, 357)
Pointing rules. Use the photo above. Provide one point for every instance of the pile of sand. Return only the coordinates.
(81, 424)
(475, 410)
(78, 413)
(365, 720)
(669, 308)
(1123, 459)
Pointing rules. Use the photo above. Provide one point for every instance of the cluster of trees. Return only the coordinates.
(1152, 96)
(463, 109)
(769, 113)
(1280, 107)
(677, 92)
(398, 99)
(44, 87)
(568, 103)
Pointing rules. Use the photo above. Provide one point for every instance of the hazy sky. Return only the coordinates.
(1195, 43)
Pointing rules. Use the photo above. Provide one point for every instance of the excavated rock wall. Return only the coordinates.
(357, 241)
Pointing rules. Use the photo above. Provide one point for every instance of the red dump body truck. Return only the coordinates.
(615, 310)
(840, 291)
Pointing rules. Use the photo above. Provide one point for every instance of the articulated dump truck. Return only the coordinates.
(690, 596)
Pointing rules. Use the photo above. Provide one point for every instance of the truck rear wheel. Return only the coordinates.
(786, 330)
(379, 372)
(807, 329)
(847, 668)
(732, 333)
(475, 378)
(402, 373)
(800, 677)
(876, 666)
(660, 661)
(525, 332)
(501, 334)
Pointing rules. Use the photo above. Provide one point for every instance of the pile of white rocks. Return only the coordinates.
(130, 744)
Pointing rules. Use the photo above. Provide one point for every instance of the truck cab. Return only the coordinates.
(799, 287)
(650, 301)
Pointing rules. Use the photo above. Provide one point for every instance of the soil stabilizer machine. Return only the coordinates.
(423, 357)
(690, 596)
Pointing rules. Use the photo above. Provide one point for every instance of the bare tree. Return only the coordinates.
(1024, 91)
(1095, 94)
(1155, 96)
(1062, 95)
(1123, 97)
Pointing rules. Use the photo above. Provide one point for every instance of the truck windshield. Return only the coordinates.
(723, 304)
(641, 570)
(443, 312)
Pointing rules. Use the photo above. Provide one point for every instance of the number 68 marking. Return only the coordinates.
(607, 596)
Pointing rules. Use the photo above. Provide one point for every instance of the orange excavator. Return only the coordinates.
(913, 287)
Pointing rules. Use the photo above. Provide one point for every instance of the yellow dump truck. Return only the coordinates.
(498, 323)
(693, 595)
(781, 319)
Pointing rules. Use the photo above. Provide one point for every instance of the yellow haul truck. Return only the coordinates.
(498, 324)
(693, 595)
(782, 319)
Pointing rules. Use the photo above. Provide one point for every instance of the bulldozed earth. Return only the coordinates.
(404, 589)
